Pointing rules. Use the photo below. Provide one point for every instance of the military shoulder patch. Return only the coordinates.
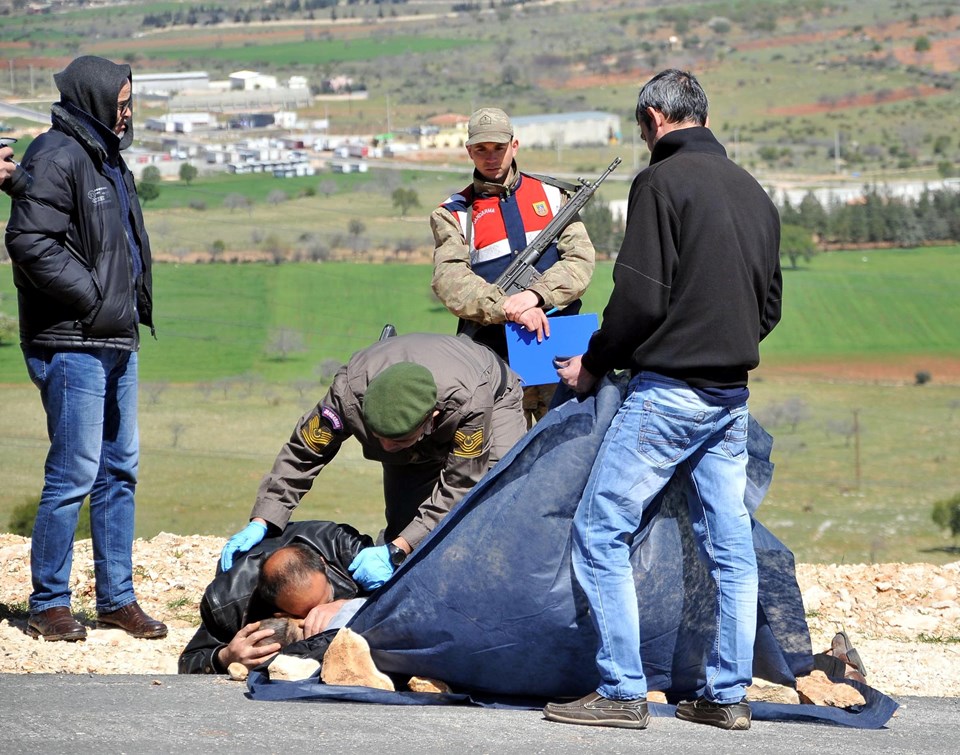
(540, 208)
(468, 446)
(332, 417)
(316, 434)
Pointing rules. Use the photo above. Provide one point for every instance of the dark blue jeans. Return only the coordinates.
(90, 399)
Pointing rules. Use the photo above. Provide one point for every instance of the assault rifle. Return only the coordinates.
(521, 273)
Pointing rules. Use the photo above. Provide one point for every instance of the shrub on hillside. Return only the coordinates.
(946, 514)
(23, 516)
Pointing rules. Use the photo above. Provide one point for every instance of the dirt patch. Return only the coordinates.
(868, 99)
(900, 371)
(903, 618)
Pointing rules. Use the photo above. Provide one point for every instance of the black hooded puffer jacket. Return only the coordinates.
(73, 263)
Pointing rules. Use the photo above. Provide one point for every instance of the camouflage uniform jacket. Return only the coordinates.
(471, 380)
(470, 297)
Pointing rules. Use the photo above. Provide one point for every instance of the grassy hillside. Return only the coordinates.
(788, 80)
(860, 456)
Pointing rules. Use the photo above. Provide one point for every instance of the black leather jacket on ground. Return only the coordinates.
(72, 262)
(225, 607)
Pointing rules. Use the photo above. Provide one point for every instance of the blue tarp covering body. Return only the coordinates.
(489, 603)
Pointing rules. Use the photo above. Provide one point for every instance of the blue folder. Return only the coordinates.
(533, 361)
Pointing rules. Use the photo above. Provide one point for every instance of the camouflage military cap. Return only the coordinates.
(489, 124)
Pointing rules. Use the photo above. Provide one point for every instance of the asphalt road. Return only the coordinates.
(57, 713)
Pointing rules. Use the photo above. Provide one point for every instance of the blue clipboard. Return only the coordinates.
(533, 361)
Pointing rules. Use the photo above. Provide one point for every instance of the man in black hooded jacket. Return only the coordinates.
(81, 265)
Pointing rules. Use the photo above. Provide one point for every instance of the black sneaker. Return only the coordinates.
(597, 710)
(701, 711)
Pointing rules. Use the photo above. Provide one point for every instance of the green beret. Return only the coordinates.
(399, 399)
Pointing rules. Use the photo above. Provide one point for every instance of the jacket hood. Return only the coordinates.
(91, 84)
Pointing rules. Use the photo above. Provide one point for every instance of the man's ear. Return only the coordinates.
(657, 119)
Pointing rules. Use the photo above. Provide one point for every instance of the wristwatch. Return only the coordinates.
(397, 554)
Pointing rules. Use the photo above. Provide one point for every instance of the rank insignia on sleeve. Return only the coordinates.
(468, 446)
(315, 434)
(540, 208)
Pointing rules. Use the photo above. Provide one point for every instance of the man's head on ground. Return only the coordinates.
(491, 143)
(293, 579)
(399, 404)
(671, 100)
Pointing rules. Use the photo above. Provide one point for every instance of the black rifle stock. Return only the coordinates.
(521, 273)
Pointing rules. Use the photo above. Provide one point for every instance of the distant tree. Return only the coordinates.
(23, 516)
(8, 329)
(327, 188)
(277, 196)
(283, 342)
(187, 173)
(149, 187)
(234, 201)
(921, 44)
(327, 369)
(946, 514)
(404, 199)
(147, 192)
(604, 231)
(356, 227)
(796, 242)
(153, 390)
(812, 216)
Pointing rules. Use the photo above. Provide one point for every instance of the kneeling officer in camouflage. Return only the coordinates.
(436, 411)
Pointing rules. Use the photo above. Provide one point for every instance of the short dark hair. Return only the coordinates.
(301, 563)
(677, 94)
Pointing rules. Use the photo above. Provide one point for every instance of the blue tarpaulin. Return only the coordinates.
(489, 604)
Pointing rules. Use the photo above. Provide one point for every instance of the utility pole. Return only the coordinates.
(836, 151)
(856, 445)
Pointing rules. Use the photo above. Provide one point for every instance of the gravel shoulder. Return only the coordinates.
(904, 619)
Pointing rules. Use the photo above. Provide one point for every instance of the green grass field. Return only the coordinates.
(215, 406)
(314, 52)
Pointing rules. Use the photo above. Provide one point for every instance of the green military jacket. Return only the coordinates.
(473, 385)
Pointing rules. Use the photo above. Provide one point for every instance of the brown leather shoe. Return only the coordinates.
(133, 620)
(56, 624)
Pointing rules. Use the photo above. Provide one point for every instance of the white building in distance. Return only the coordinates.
(250, 80)
(578, 129)
(167, 83)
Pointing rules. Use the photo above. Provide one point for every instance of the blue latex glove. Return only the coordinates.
(372, 567)
(243, 541)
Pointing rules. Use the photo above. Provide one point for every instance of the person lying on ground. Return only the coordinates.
(314, 562)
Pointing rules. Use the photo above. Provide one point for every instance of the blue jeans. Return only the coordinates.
(661, 427)
(90, 399)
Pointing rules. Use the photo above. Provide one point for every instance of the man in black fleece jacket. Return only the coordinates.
(697, 285)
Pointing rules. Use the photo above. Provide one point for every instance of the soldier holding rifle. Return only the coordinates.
(478, 231)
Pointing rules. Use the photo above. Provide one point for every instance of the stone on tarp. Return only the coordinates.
(347, 662)
(433, 686)
(291, 669)
(762, 691)
(817, 689)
